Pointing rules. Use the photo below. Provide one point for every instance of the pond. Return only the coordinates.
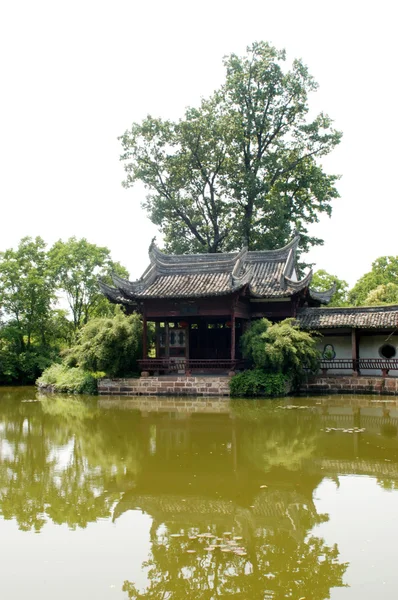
(107, 498)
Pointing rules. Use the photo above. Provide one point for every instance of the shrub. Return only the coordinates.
(111, 345)
(281, 348)
(258, 383)
(69, 380)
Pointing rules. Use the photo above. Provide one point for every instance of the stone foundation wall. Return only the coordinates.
(181, 385)
(170, 385)
(351, 385)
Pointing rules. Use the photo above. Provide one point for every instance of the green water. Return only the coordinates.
(110, 499)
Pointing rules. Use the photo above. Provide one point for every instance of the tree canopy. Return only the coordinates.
(384, 271)
(242, 168)
(33, 330)
(26, 288)
(76, 266)
(383, 294)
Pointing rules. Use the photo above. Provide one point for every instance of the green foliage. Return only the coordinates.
(69, 380)
(27, 291)
(22, 367)
(383, 294)
(257, 383)
(384, 270)
(112, 345)
(280, 348)
(32, 331)
(29, 329)
(76, 266)
(323, 281)
(242, 169)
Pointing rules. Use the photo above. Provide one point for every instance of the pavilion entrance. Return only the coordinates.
(195, 345)
(212, 340)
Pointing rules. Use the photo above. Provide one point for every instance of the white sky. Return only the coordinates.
(76, 74)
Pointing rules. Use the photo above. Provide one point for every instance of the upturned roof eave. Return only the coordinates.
(324, 297)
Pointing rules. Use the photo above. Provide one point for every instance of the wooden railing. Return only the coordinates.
(175, 365)
(360, 364)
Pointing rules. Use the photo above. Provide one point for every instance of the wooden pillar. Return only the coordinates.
(354, 351)
(167, 340)
(187, 368)
(144, 337)
(233, 336)
(157, 333)
(187, 335)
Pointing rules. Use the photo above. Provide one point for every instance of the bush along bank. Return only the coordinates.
(104, 347)
(60, 378)
(278, 353)
(255, 382)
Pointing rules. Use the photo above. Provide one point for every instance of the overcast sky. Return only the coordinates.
(76, 74)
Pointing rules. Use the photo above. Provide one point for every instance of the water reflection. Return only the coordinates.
(245, 470)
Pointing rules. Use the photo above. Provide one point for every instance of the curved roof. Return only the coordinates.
(266, 274)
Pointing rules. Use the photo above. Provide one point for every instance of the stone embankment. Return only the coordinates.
(168, 385)
(351, 385)
(206, 385)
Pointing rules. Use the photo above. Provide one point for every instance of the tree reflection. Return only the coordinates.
(277, 438)
(61, 460)
(277, 565)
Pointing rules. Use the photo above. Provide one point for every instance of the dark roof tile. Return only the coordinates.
(369, 317)
(268, 274)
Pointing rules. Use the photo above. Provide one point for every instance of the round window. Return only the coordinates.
(387, 351)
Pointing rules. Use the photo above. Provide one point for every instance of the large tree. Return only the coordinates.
(27, 327)
(26, 289)
(76, 266)
(243, 168)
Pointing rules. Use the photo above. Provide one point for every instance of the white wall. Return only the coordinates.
(369, 348)
(342, 348)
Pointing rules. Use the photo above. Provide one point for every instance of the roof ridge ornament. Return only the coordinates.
(239, 263)
(152, 244)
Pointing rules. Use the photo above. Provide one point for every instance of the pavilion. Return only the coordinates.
(202, 303)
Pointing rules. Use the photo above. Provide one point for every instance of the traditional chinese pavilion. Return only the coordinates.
(201, 303)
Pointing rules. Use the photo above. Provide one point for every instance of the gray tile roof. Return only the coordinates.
(267, 274)
(369, 317)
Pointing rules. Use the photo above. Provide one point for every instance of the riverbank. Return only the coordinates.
(167, 385)
(343, 384)
(218, 385)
